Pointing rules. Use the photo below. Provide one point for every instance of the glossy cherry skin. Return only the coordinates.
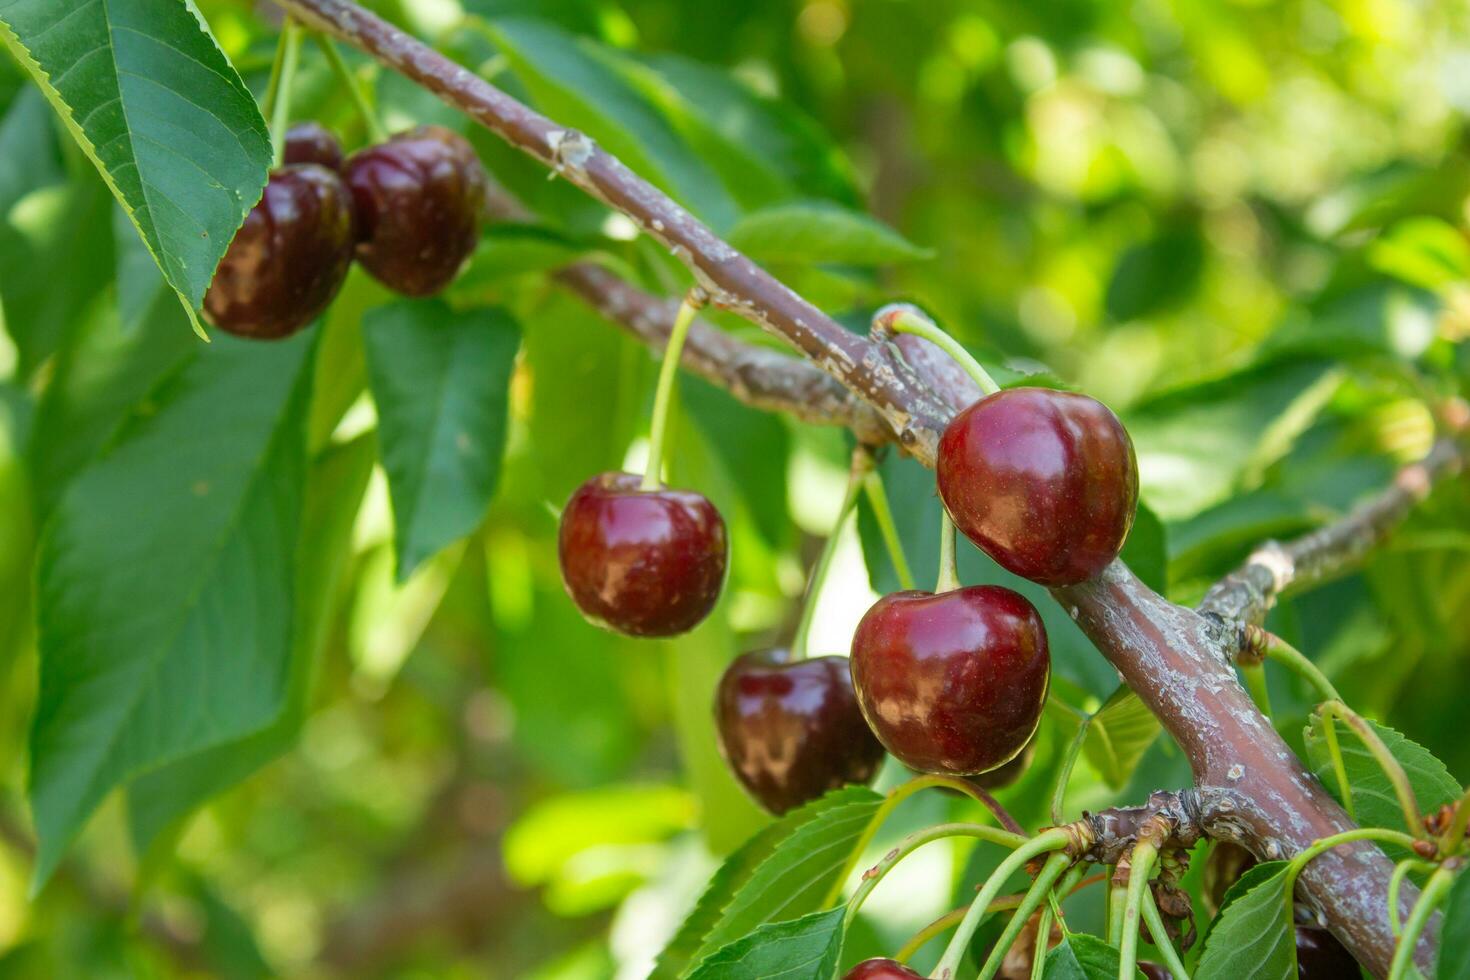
(641, 562)
(1154, 971)
(288, 259)
(881, 969)
(1319, 956)
(311, 142)
(418, 197)
(1045, 482)
(954, 682)
(793, 731)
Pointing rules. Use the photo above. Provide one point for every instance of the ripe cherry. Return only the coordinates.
(881, 969)
(952, 682)
(311, 142)
(288, 259)
(1319, 956)
(793, 731)
(1045, 482)
(418, 198)
(1154, 971)
(642, 562)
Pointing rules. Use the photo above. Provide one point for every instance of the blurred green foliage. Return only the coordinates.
(1239, 222)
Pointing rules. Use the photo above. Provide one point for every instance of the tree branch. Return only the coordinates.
(1176, 659)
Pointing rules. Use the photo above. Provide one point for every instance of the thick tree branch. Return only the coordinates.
(1175, 658)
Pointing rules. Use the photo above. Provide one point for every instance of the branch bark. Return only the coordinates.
(1177, 659)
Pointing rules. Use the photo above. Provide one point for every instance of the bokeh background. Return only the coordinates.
(1236, 221)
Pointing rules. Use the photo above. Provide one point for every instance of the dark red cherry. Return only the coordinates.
(793, 731)
(418, 198)
(954, 682)
(1319, 956)
(288, 259)
(311, 142)
(1154, 971)
(1002, 776)
(881, 970)
(1045, 482)
(642, 562)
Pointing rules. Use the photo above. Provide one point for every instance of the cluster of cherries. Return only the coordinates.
(950, 682)
(407, 209)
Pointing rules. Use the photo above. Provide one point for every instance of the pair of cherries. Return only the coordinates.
(407, 209)
(1044, 481)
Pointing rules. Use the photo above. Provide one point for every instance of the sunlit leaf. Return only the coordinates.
(802, 949)
(1374, 801)
(1118, 735)
(1252, 937)
(820, 231)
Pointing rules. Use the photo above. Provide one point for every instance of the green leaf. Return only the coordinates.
(552, 832)
(820, 231)
(165, 582)
(1253, 937)
(509, 250)
(1454, 934)
(1081, 957)
(28, 157)
(802, 949)
(1157, 275)
(785, 869)
(1118, 735)
(1146, 551)
(1425, 252)
(150, 97)
(754, 447)
(441, 381)
(157, 800)
(1374, 802)
(580, 84)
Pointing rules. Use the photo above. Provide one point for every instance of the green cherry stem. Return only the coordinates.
(1051, 840)
(1403, 789)
(1117, 899)
(896, 796)
(901, 318)
(918, 839)
(1261, 643)
(1433, 894)
(1141, 864)
(949, 573)
(1396, 884)
(921, 938)
(1161, 937)
(1049, 873)
(878, 500)
(350, 82)
(1454, 836)
(862, 463)
(1069, 762)
(1043, 939)
(694, 300)
(1255, 682)
(278, 89)
(1294, 869)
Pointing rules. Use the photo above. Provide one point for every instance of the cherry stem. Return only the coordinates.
(1117, 900)
(1454, 835)
(1403, 789)
(918, 839)
(883, 515)
(1043, 940)
(921, 938)
(896, 796)
(1264, 643)
(1255, 682)
(1059, 790)
(1294, 869)
(1049, 873)
(862, 463)
(278, 89)
(1396, 884)
(949, 573)
(1051, 840)
(694, 300)
(1161, 938)
(906, 319)
(1141, 863)
(1433, 894)
(375, 131)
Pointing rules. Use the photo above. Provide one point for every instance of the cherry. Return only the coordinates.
(418, 198)
(311, 142)
(1004, 775)
(1154, 971)
(288, 259)
(881, 969)
(952, 682)
(1319, 956)
(1045, 482)
(642, 562)
(793, 731)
